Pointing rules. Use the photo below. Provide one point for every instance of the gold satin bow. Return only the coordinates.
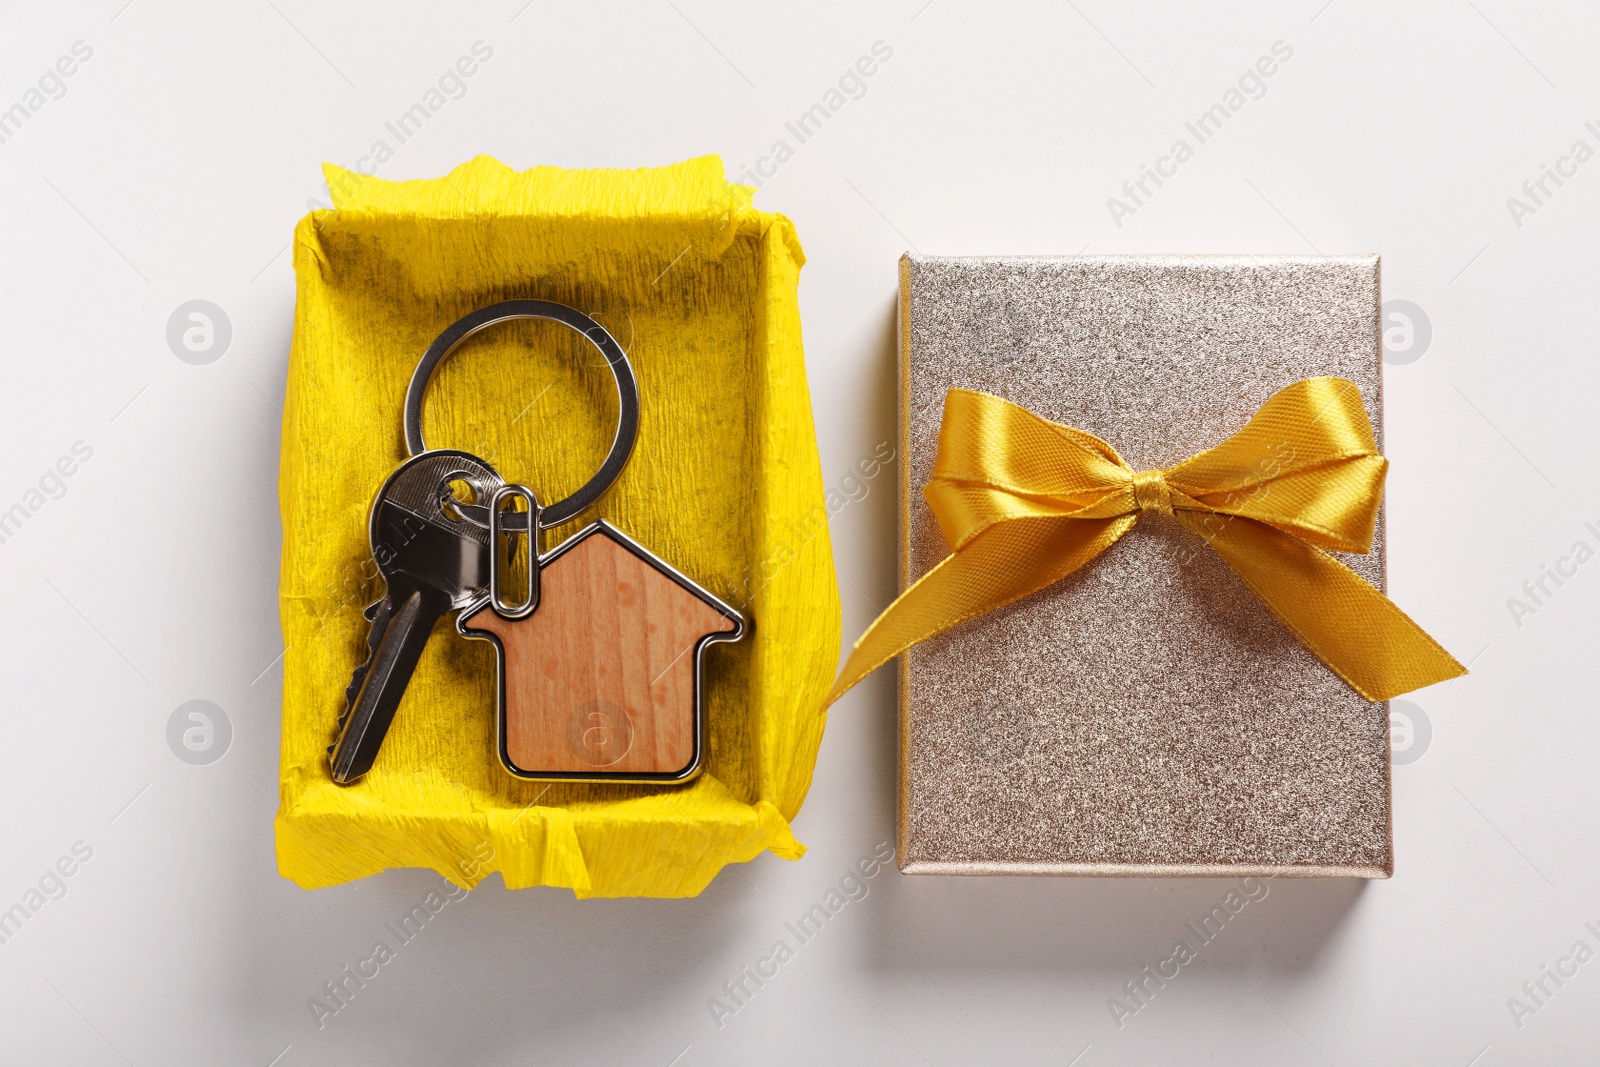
(1024, 502)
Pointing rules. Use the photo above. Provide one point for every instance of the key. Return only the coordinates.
(433, 562)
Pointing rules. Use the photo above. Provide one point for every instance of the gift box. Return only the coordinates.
(724, 483)
(1147, 713)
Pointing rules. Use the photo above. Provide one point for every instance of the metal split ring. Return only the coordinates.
(621, 371)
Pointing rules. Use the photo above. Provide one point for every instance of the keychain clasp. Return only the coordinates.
(497, 529)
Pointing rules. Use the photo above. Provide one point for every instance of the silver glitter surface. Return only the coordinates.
(1147, 715)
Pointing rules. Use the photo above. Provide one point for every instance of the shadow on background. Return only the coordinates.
(1096, 924)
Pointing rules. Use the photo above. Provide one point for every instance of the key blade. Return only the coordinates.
(394, 659)
(377, 616)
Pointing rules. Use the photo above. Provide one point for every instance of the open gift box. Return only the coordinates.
(700, 289)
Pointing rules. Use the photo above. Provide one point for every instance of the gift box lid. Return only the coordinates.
(1147, 714)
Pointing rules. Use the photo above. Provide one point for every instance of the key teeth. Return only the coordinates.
(353, 688)
(373, 613)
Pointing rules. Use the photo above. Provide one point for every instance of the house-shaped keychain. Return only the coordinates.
(602, 682)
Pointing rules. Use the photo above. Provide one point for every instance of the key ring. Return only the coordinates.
(621, 371)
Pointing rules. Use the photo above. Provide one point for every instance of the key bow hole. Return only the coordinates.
(453, 492)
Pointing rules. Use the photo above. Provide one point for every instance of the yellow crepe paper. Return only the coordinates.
(725, 483)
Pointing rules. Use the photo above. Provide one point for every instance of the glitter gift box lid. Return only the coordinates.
(1146, 715)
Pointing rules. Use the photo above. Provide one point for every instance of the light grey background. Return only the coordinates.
(172, 169)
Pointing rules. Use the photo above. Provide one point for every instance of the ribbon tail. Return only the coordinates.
(1353, 628)
(1004, 563)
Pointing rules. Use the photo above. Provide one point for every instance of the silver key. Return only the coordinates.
(433, 562)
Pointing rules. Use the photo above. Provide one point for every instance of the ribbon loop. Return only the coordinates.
(1024, 501)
